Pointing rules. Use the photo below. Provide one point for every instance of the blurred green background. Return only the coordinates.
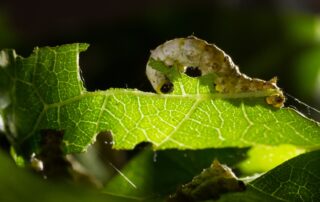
(265, 38)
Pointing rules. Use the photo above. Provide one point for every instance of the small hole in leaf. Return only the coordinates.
(193, 71)
(167, 87)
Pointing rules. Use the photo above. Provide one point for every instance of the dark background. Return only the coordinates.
(265, 38)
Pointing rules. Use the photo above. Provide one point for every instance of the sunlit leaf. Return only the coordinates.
(45, 91)
(263, 158)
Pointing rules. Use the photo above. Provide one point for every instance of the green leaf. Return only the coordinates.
(295, 180)
(154, 175)
(211, 183)
(45, 91)
(22, 185)
(298, 177)
(264, 158)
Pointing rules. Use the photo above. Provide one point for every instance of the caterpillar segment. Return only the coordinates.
(201, 58)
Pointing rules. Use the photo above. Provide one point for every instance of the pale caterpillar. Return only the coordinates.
(196, 57)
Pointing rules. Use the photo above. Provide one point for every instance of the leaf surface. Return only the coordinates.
(45, 91)
(153, 176)
(23, 185)
(295, 180)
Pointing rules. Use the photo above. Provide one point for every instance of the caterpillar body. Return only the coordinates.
(197, 57)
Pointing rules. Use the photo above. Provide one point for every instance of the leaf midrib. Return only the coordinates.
(114, 91)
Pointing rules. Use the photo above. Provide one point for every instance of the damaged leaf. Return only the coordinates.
(209, 184)
(199, 108)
